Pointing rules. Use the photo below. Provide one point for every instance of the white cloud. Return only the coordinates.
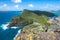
(58, 7)
(4, 6)
(31, 5)
(47, 6)
(17, 1)
(51, 6)
(16, 6)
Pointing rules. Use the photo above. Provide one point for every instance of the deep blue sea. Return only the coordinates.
(5, 18)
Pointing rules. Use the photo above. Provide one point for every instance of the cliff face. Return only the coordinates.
(38, 36)
(37, 32)
(28, 17)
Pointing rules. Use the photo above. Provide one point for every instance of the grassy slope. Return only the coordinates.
(28, 17)
(31, 16)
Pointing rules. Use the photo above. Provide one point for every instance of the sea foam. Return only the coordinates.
(4, 26)
(14, 27)
(17, 34)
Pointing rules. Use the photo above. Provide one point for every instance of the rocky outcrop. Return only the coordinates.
(39, 36)
(55, 24)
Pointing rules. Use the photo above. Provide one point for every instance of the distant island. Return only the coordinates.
(37, 25)
(58, 10)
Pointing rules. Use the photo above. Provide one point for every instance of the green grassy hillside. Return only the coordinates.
(28, 17)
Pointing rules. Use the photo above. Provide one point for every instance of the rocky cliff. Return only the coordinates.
(39, 36)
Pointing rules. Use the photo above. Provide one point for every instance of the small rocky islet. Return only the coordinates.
(37, 25)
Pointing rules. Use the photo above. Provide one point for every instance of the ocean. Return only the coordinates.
(5, 18)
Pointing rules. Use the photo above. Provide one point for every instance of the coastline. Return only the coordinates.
(19, 31)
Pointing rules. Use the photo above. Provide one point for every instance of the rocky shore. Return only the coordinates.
(39, 36)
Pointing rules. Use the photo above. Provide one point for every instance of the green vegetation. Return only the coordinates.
(28, 17)
(42, 30)
(31, 26)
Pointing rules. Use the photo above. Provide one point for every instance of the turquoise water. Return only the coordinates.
(57, 13)
(5, 18)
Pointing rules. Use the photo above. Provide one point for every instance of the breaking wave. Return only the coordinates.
(17, 34)
(4, 26)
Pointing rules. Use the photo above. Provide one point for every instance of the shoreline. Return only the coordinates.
(19, 31)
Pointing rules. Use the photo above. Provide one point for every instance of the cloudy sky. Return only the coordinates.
(18, 5)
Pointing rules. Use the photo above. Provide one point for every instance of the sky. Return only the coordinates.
(18, 5)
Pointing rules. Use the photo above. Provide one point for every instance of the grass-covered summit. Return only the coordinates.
(28, 17)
